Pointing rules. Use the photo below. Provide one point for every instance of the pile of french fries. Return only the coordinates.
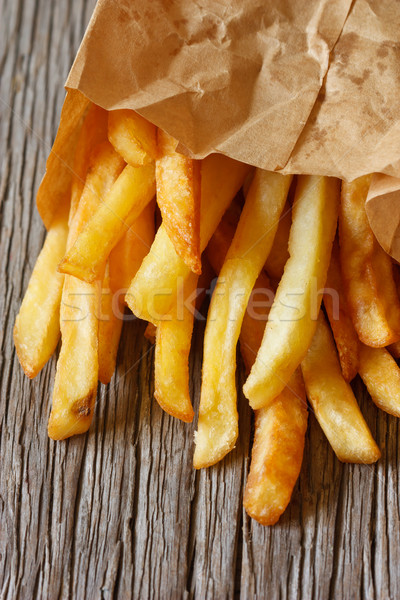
(298, 279)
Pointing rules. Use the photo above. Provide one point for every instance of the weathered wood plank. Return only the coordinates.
(120, 513)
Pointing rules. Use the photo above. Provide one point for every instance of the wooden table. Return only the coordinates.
(120, 513)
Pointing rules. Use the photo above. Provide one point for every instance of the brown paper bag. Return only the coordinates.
(297, 86)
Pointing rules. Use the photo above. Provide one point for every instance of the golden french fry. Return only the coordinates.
(337, 309)
(381, 374)
(93, 132)
(127, 256)
(171, 360)
(292, 320)
(277, 258)
(133, 137)
(75, 384)
(105, 165)
(333, 401)
(153, 290)
(277, 453)
(367, 271)
(218, 417)
(178, 197)
(279, 429)
(254, 320)
(110, 326)
(37, 326)
(132, 191)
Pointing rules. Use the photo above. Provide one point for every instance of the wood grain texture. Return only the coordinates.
(120, 513)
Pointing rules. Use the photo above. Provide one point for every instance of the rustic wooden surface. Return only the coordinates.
(120, 513)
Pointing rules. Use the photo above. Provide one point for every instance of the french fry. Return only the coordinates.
(277, 453)
(253, 325)
(381, 375)
(333, 401)
(218, 418)
(75, 384)
(37, 326)
(132, 191)
(171, 360)
(133, 137)
(338, 313)
(110, 326)
(105, 165)
(254, 321)
(178, 197)
(292, 321)
(280, 429)
(153, 290)
(127, 256)
(367, 271)
(93, 131)
(277, 258)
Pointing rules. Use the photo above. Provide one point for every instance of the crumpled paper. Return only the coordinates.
(296, 86)
(238, 77)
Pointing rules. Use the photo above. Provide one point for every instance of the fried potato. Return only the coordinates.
(277, 453)
(133, 137)
(381, 374)
(132, 191)
(93, 132)
(279, 429)
(333, 401)
(105, 165)
(277, 258)
(252, 242)
(171, 360)
(336, 307)
(178, 197)
(110, 326)
(253, 325)
(127, 256)
(292, 321)
(367, 271)
(153, 291)
(75, 384)
(37, 326)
